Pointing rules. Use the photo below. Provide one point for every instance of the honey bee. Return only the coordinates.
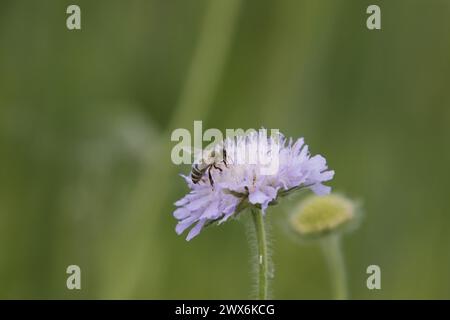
(211, 160)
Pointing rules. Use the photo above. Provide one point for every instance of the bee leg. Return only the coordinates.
(224, 152)
(218, 168)
(210, 177)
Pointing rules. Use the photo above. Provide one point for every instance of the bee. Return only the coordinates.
(210, 161)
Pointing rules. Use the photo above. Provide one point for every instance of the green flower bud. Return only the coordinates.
(321, 215)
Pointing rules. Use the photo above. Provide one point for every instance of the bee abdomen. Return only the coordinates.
(196, 174)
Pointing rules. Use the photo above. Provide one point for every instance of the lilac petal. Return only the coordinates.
(184, 224)
(318, 161)
(225, 218)
(228, 212)
(182, 202)
(195, 230)
(257, 197)
(320, 189)
(197, 203)
(193, 195)
(327, 175)
(305, 151)
(181, 213)
(187, 178)
(297, 146)
(271, 192)
(264, 206)
(212, 211)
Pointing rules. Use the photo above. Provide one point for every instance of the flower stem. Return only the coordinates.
(331, 246)
(262, 256)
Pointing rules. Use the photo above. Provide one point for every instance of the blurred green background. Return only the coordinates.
(86, 116)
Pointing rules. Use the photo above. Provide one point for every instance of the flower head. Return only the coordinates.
(317, 216)
(255, 170)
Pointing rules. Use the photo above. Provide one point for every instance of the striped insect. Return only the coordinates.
(210, 160)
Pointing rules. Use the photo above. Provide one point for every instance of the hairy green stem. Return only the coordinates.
(262, 255)
(331, 246)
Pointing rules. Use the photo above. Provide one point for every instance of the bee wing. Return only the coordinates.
(198, 154)
(192, 151)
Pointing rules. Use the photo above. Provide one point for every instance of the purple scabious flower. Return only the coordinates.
(256, 170)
